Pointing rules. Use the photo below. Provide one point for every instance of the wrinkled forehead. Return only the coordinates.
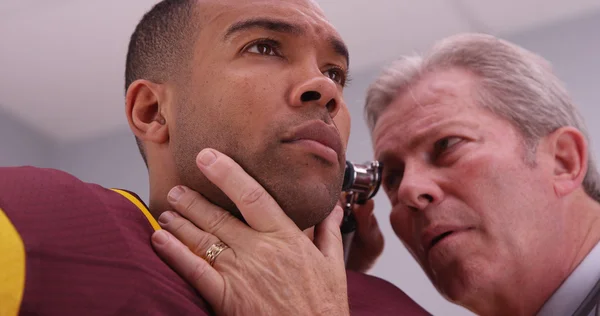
(440, 97)
(453, 90)
(219, 14)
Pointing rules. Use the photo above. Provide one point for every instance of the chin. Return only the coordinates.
(455, 293)
(306, 203)
(464, 284)
(305, 187)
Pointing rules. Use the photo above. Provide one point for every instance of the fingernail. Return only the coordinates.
(165, 218)
(160, 237)
(207, 157)
(175, 193)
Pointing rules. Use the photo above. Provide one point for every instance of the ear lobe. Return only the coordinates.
(144, 112)
(570, 157)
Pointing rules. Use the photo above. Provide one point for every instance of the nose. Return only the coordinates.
(418, 189)
(318, 90)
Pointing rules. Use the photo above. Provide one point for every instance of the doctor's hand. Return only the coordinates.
(268, 267)
(368, 242)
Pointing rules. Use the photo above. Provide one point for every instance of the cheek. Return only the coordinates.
(342, 121)
(499, 189)
(242, 90)
(402, 226)
(482, 186)
(248, 109)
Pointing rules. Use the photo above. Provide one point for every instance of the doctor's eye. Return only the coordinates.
(391, 180)
(444, 144)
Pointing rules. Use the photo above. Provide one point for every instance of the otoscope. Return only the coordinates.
(361, 183)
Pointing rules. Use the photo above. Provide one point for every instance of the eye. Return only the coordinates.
(336, 74)
(264, 47)
(442, 145)
(391, 179)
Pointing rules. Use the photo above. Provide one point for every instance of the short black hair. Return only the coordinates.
(161, 45)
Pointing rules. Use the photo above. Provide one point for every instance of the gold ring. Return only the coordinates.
(214, 250)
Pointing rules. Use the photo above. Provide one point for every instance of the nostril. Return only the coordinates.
(331, 105)
(427, 197)
(310, 96)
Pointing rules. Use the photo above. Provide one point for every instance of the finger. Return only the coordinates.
(259, 209)
(364, 216)
(341, 201)
(373, 228)
(373, 237)
(367, 225)
(310, 232)
(205, 215)
(328, 236)
(193, 237)
(195, 270)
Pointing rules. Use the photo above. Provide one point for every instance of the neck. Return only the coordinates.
(536, 282)
(161, 182)
(588, 232)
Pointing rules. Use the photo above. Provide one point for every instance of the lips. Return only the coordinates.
(432, 236)
(440, 237)
(317, 131)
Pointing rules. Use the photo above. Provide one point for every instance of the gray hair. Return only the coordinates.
(513, 83)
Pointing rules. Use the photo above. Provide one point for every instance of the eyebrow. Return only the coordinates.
(437, 128)
(266, 24)
(385, 156)
(340, 48)
(279, 26)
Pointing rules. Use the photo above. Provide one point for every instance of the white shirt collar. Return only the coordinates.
(575, 288)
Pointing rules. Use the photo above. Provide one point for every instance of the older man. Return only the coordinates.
(488, 170)
(492, 185)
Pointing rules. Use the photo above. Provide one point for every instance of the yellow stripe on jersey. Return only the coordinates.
(141, 206)
(12, 267)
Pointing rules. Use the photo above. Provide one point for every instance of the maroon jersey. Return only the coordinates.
(71, 248)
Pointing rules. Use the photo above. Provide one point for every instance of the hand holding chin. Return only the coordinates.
(268, 267)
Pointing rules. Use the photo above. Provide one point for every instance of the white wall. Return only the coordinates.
(20, 145)
(113, 161)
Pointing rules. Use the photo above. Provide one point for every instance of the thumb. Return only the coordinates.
(328, 236)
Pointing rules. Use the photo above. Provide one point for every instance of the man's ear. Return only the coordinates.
(570, 152)
(144, 112)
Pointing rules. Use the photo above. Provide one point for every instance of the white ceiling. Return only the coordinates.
(62, 61)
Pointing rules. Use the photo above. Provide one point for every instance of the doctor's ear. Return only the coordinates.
(569, 150)
(144, 113)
